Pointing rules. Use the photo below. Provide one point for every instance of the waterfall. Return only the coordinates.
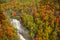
(22, 33)
(17, 25)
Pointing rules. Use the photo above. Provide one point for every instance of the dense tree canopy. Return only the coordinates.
(41, 18)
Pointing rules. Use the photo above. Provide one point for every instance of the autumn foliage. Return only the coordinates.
(7, 31)
(41, 18)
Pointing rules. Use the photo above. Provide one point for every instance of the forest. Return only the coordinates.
(40, 17)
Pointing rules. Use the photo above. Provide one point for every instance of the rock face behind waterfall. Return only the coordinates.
(23, 34)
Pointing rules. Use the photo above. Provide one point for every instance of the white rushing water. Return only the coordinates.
(17, 25)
